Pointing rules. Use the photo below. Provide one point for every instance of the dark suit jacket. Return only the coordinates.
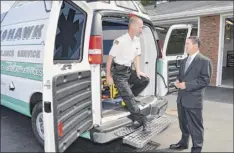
(196, 78)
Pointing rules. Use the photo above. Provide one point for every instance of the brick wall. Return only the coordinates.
(209, 35)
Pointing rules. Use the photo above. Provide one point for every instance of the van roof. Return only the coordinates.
(131, 7)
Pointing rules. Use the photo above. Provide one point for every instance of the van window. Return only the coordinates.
(70, 33)
(176, 42)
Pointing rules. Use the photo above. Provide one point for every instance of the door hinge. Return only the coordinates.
(47, 107)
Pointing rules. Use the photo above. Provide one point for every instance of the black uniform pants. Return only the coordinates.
(191, 123)
(129, 86)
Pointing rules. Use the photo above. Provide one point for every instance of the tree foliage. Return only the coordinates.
(147, 2)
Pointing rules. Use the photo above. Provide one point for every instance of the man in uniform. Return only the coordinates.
(124, 52)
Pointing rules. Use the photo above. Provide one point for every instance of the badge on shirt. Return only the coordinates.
(116, 42)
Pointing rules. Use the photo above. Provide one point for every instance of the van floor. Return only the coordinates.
(110, 109)
(114, 111)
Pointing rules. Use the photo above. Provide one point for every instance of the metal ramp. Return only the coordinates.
(139, 138)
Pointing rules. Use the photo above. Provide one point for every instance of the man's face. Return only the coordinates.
(190, 47)
(138, 28)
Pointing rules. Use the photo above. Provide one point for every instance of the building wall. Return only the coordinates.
(209, 35)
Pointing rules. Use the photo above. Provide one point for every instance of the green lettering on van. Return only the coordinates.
(22, 33)
(25, 70)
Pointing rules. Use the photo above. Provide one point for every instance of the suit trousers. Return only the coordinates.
(191, 124)
(129, 86)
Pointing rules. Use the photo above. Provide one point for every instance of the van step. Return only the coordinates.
(124, 131)
(139, 139)
(113, 125)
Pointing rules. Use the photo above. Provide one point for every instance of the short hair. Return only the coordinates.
(195, 40)
(133, 20)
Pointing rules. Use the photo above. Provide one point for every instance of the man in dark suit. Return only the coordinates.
(194, 75)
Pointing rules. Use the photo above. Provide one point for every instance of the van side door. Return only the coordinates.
(173, 53)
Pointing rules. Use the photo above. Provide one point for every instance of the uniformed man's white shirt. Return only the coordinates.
(125, 49)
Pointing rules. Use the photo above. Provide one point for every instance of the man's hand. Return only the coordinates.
(180, 85)
(174, 83)
(109, 80)
(139, 74)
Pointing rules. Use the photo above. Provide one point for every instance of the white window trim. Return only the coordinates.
(198, 26)
(221, 48)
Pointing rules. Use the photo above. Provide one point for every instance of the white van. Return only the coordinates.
(51, 59)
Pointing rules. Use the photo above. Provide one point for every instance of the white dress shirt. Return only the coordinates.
(192, 57)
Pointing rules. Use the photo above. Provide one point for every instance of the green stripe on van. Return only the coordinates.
(16, 105)
(86, 135)
(159, 66)
(25, 70)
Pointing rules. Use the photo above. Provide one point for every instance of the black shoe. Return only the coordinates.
(136, 125)
(197, 149)
(178, 146)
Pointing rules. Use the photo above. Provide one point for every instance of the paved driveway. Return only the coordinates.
(218, 124)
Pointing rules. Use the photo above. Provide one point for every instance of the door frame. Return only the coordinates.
(163, 89)
(221, 48)
(52, 70)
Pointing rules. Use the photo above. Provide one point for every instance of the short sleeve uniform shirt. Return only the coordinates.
(125, 49)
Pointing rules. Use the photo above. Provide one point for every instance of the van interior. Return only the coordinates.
(112, 29)
(112, 26)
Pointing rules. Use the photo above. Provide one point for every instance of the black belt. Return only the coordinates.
(124, 66)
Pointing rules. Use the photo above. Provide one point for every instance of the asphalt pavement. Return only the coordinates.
(217, 120)
(16, 132)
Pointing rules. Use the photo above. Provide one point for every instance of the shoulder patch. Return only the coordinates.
(116, 42)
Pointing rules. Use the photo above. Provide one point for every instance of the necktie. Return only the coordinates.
(188, 63)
